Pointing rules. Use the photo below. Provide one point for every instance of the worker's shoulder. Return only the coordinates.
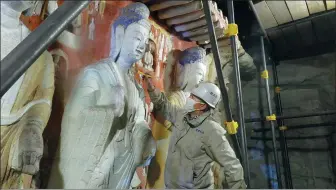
(212, 127)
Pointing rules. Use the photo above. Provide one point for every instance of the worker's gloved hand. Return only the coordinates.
(149, 77)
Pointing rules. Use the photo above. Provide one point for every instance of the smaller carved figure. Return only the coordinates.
(91, 29)
(148, 59)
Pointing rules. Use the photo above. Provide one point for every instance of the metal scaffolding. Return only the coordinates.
(26, 53)
(29, 50)
(276, 121)
(214, 47)
(220, 77)
(282, 133)
(279, 117)
(269, 104)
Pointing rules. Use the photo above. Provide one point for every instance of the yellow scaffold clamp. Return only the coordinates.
(271, 117)
(231, 127)
(283, 128)
(264, 74)
(232, 30)
(277, 90)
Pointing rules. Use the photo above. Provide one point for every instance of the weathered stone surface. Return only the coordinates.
(307, 85)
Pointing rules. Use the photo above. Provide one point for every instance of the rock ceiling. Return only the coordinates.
(187, 19)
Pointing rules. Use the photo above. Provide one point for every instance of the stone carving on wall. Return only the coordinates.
(97, 7)
(147, 62)
(70, 37)
(104, 135)
(148, 59)
(26, 106)
(191, 60)
(187, 18)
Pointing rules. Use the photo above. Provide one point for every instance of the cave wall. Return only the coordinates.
(307, 85)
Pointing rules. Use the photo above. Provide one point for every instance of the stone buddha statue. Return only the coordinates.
(26, 106)
(104, 135)
(180, 78)
(189, 72)
(148, 59)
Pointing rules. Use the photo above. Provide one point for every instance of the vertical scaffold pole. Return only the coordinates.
(232, 124)
(28, 51)
(282, 133)
(240, 107)
(271, 117)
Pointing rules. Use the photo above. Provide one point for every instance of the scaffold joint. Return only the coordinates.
(231, 127)
(271, 117)
(232, 30)
(277, 90)
(283, 128)
(264, 74)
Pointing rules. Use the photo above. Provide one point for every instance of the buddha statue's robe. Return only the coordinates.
(103, 131)
(25, 107)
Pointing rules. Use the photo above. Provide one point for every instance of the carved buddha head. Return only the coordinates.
(130, 32)
(191, 68)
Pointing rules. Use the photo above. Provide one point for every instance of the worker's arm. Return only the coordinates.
(161, 104)
(163, 107)
(247, 67)
(223, 154)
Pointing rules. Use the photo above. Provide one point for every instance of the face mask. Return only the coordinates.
(190, 105)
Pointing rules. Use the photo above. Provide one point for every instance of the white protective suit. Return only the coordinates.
(194, 146)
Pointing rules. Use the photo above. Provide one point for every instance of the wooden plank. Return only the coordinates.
(265, 15)
(298, 9)
(331, 4)
(280, 11)
(315, 6)
(167, 4)
(305, 30)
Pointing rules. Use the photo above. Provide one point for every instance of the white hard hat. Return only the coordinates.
(208, 92)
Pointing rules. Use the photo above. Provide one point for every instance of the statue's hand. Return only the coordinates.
(112, 97)
(28, 150)
(118, 98)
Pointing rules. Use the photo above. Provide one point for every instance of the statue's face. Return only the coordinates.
(134, 43)
(191, 75)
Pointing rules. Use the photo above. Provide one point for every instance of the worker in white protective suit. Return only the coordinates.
(197, 141)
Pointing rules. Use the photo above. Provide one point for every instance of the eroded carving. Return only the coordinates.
(104, 134)
(26, 106)
(178, 82)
